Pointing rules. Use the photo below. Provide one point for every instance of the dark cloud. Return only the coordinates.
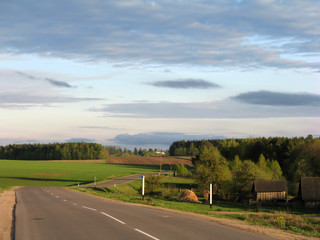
(27, 75)
(196, 33)
(279, 99)
(49, 80)
(58, 83)
(185, 83)
(210, 110)
(157, 138)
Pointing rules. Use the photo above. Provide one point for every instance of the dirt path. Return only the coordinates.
(7, 202)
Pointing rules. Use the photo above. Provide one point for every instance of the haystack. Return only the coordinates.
(189, 196)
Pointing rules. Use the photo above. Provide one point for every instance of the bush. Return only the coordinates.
(152, 183)
(181, 170)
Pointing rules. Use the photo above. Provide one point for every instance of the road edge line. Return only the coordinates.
(112, 217)
(150, 236)
(90, 208)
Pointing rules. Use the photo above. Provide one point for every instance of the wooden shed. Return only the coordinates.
(268, 190)
(309, 191)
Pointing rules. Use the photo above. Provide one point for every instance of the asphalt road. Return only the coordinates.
(49, 213)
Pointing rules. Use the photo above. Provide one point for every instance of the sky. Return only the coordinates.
(146, 73)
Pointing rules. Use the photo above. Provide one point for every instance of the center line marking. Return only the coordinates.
(89, 208)
(146, 234)
(113, 218)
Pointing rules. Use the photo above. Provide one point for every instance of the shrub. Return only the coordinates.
(152, 183)
(281, 222)
(181, 170)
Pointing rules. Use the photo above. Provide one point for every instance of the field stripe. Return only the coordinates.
(113, 218)
(150, 236)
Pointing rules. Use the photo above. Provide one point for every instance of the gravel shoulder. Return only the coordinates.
(7, 202)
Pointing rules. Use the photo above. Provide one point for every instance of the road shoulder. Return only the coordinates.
(7, 203)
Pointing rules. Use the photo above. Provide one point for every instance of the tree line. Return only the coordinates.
(53, 151)
(116, 151)
(70, 151)
(296, 156)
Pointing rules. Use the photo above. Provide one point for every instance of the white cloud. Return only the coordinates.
(165, 32)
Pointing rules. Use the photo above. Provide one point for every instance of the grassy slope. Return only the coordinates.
(47, 173)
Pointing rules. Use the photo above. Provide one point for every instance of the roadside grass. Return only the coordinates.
(2, 189)
(167, 197)
(296, 223)
(62, 174)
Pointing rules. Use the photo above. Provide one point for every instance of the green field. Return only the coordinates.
(55, 173)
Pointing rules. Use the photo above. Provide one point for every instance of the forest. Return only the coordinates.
(54, 151)
(296, 156)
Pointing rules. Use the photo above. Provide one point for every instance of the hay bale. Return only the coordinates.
(189, 196)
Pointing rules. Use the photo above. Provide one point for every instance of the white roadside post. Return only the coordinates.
(210, 193)
(95, 181)
(142, 192)
(143, 187)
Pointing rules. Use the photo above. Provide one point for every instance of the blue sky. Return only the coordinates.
(147, 73)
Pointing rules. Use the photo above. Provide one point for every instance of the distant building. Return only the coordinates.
(267, 190)
(161, 153)
(309, 191)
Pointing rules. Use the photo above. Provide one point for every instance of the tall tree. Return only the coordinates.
(210, 164)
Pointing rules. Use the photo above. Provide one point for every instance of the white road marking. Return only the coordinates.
(89, 208)
(146, 234)
(75, 204)
(57, 196)
(113, 218)
(64, 200)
